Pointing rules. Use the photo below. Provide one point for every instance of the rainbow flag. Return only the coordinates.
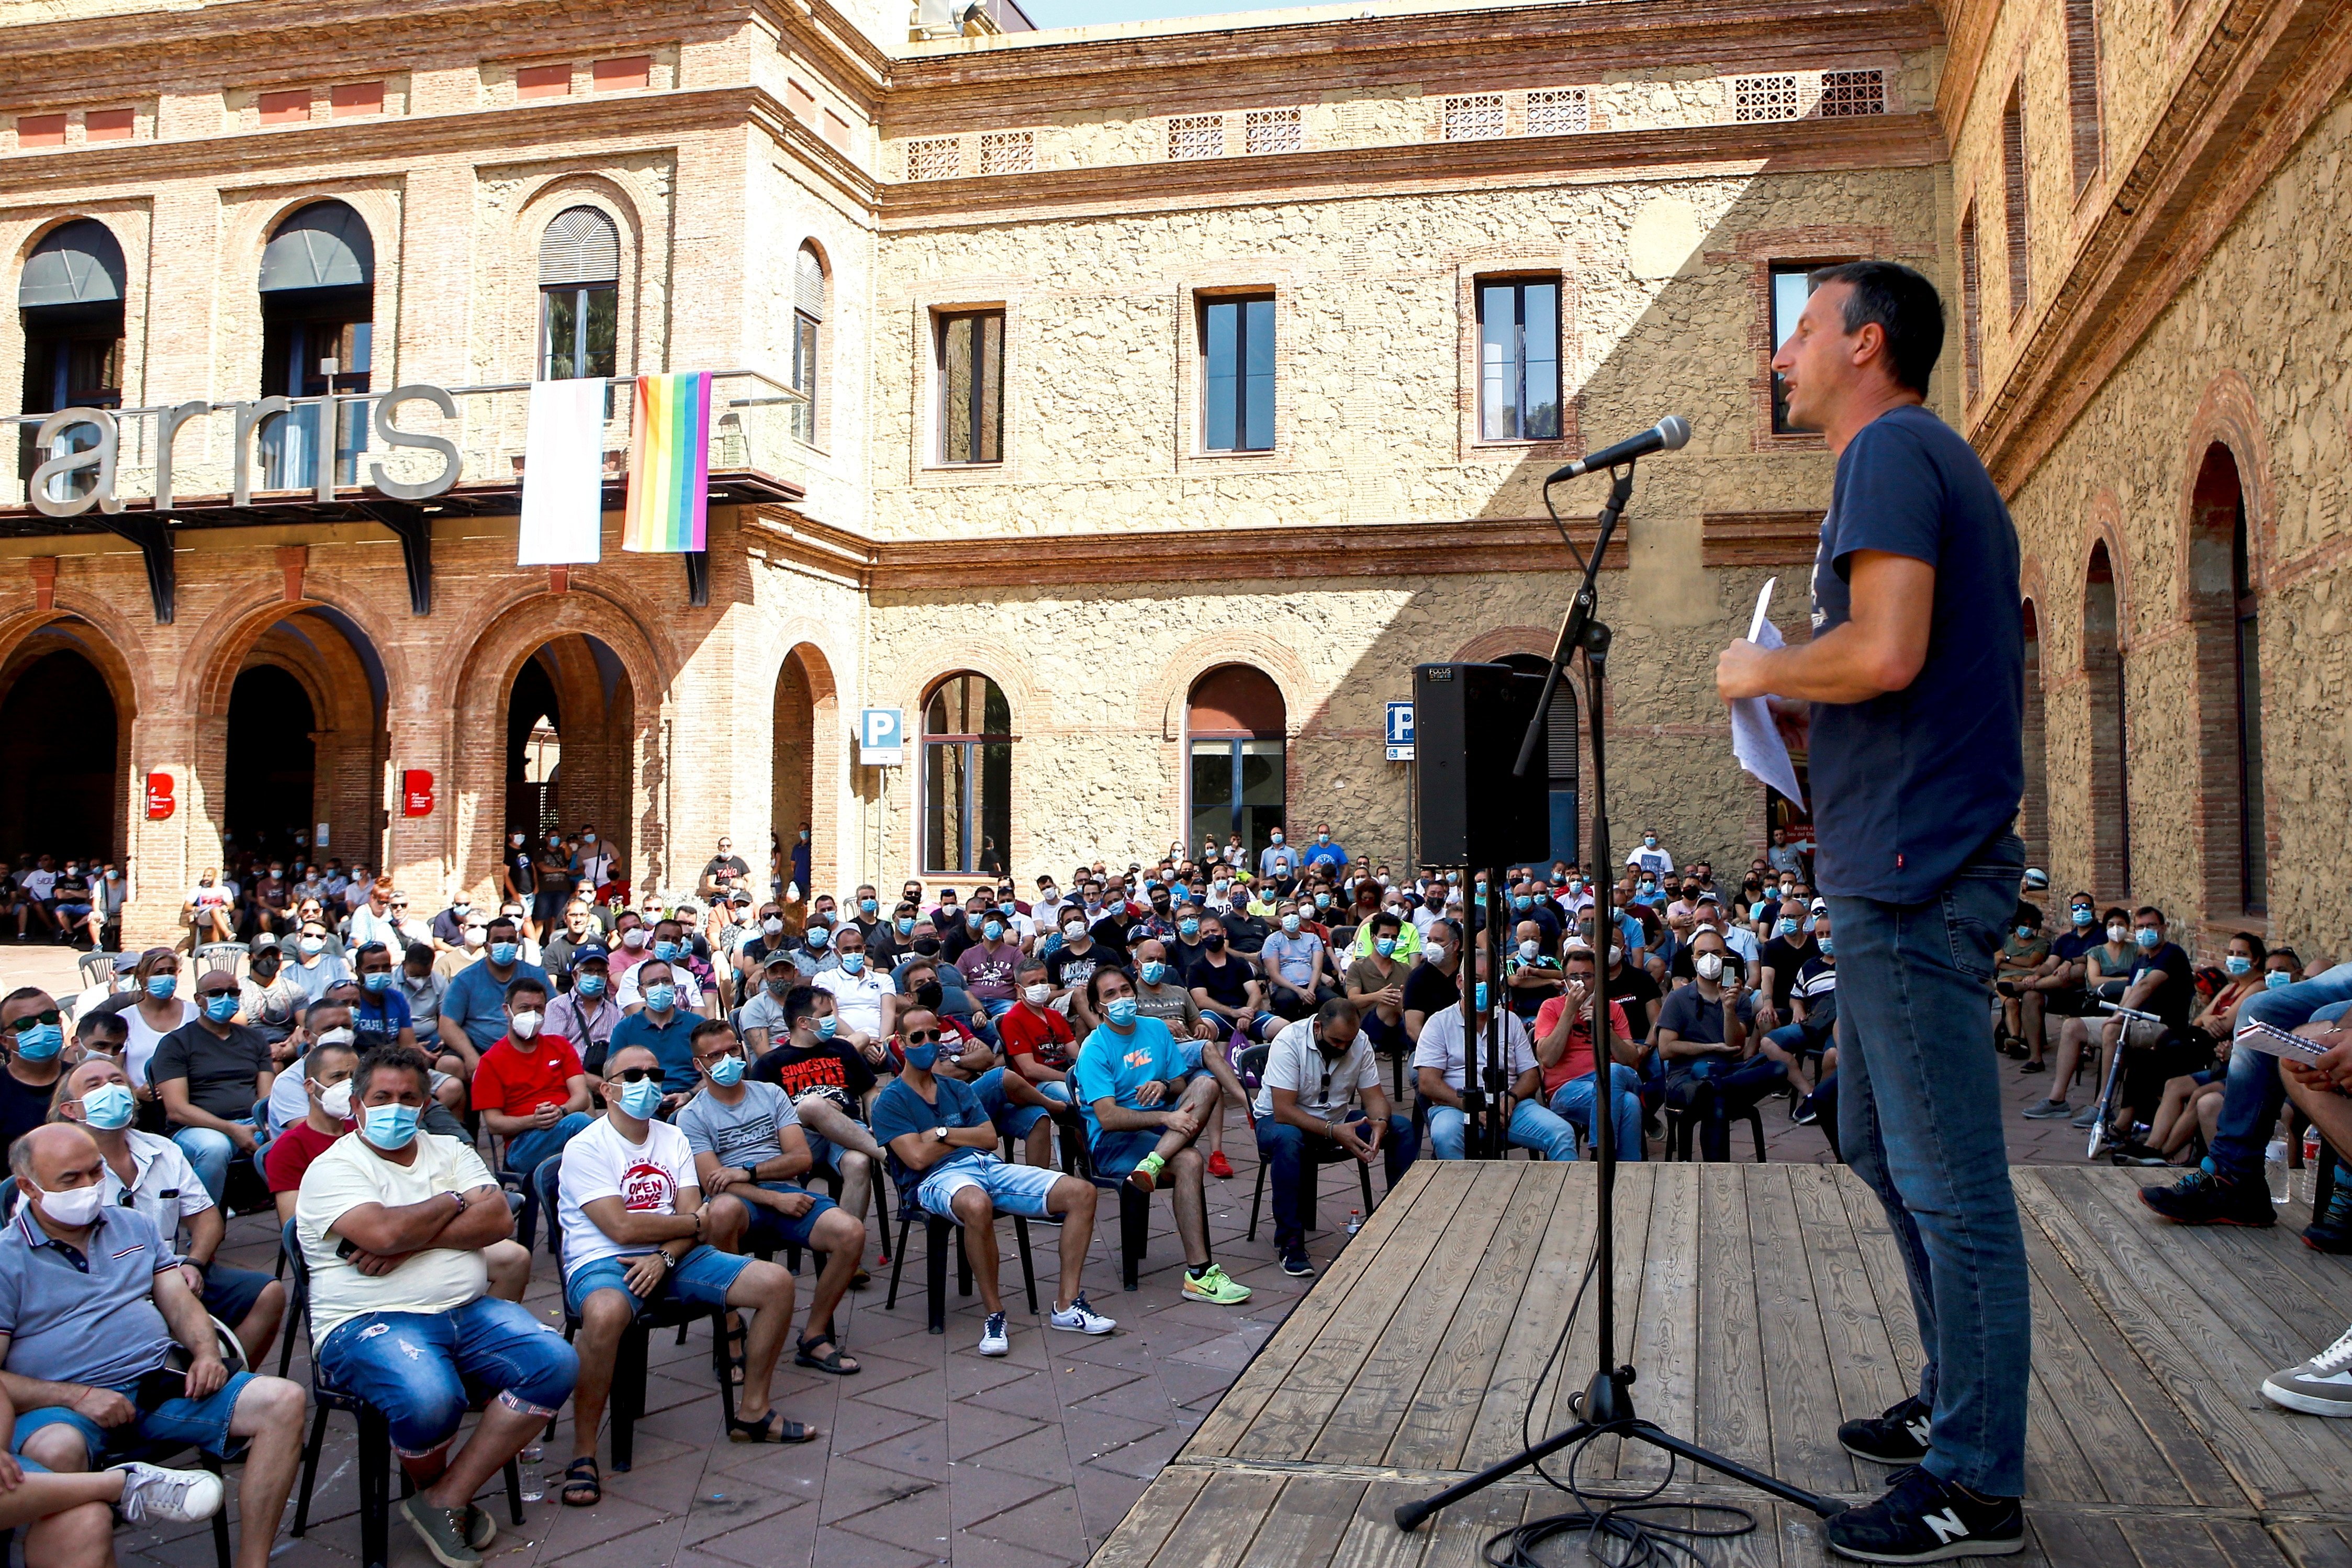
(669, 464)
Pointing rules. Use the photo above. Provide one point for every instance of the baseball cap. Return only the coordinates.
(260, 942)
(588, 951)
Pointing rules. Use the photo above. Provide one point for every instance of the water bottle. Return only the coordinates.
(2310, 1183)
(2274, 1167)
(1355, 1221)
(534, 1478)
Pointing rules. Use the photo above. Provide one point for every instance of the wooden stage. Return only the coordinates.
(1765, 1303)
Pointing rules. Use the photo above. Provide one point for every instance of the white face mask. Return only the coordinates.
(73, 1209)
(1709, 965)
(634, 940)
(335, 1099)
(1072, 930)
(477, 935)
(2119, 934)
(771, 926)
(1036, 995)
(1527, 950)
(524, 1024)
(338, 1035)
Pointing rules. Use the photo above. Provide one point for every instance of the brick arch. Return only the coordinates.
(1489, 646)
(246, 232)
(2102, 522)
(1032, 713)
(106, 654)
(2226, 416)
(2230, 823)
(1164, 699)
(808, 697)
(217, 650)
(2100, 659)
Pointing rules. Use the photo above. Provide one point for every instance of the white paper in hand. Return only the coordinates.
(1755, 738)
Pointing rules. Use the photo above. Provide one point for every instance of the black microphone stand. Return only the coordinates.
(1606, 1405)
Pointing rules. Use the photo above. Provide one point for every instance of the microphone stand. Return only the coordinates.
(1606, 1405)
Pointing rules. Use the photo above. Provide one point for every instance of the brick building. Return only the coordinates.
(1131, 406)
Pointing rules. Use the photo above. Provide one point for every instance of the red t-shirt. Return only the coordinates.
(514, 1082)
(290, 1153)
(1042, 1033)
(1576, 1060)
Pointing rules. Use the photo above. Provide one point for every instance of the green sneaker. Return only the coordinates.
(1146, 1173)
(1213, 1285)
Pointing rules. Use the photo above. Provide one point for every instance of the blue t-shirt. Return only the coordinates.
(380, 1016)
(475, 1000)
(1908, 784)
(679, 1075)
(1113, 1067)
(1334, 853)
(898, 1111)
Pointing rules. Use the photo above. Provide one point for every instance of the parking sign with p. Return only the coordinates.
(882, 737)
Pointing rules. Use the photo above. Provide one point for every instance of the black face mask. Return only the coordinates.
(927, 945)
(1213, 943)
(928, 995)
(262, 968)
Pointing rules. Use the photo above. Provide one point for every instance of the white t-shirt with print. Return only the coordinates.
(601, 1163)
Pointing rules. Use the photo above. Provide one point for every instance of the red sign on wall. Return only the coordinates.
(159, 804)
(416, 792)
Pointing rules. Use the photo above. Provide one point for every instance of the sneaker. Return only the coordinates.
(994, 1340)
(1925, 1519)
(2320, 1386)
(1221, 1168)
(1804, 1113)
(1213, 1285)
(2200, 1197)
(2086, 1118)
(1295, 1264)
(1899, 1436)
(481, 1528)
(153, 1495)
(2331, 1231)
(2034, 1066)
(1147, 1171)
(1080, 1318)
(442, 1530)
(2047, 1110)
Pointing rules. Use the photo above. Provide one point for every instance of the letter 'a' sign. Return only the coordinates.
(415, 794)
(159, 804)
(882, 737)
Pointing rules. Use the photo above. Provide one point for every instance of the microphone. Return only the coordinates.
(1668, 435)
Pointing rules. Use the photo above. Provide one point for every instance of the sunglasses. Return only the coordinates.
(636, 1075)
(216, 991)
(922, 1036)
(31, 1020)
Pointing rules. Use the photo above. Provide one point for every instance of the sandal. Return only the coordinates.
(831, 1361)
(765, 1430)
(577, 1482)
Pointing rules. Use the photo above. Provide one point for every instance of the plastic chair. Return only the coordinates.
(210, 955)
(1681, 1126)
(97, 968)
(375, 1442)
(939, 1233)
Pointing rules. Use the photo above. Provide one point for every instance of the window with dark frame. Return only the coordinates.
(971, 386)
(1237, 373)
(1971, 330)
(2013, 179)
(1791, 286)
(967, 777)
(2083, 86)
(2254, 853)
(808, 324)
(579, 295)
(1519, 358)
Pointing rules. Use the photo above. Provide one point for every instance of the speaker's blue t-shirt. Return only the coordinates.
(1908, 786)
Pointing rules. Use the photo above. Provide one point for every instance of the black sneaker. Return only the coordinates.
(2331, 1230)
(2200, 1197)
(1804, 1113)
(1923, 1519)
(1295, 1264)
(1898, 1437)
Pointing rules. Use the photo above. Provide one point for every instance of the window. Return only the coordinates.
(1847, 94)
(1971, 333)
(1791, 286)
(808, 327)
(352, 97)
(2034, 810)
(1758, 98)
(543, 81)
(934, 158)
(618, 75)
(1196, 136)
(69, 305)
(318, 311)
(1559, 111)
(1475, 117)
(1518, 359)
(971, 387)
(2254, 853)
(579, 295)
(1234, 728)
(967, 777)
(291, 108)
(2083, 86)
(1271, 131)
(2103, 670)
(1237, 374)
(2012, 178)
(1008, 151)
(109, 124)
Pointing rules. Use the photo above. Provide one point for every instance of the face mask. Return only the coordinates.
(1786, 927)
(1290, 925)
(1154, 972)
(853, 963)
(1709, 965)
(930, 995)
(2118, 933)
(1527, 950)
(1035, 995)
(1188, 928)
(868, 905)
(265, 967)
(515, 839)
(820, 938)
(633, 939)
(1648, 887)
(641, 1098)
(927, 945)
(827, 1027)
(41, 1042)
(524, 1024)
(475, 936)
(109, 1106)
(389, 1127)
(660, 997)
(2238, 964)
(1829, 946)
(2274, 978)
(313, 945)
(1384, 945)
(1649, 841)
(2080, 914)
(666, 950)
(2148, 937)
(338, 1035)
(73, 1209)
(1121, 1011)
(221, 1008)
(589, 986)
(993, 930)
(1322, 900)
(377, 980)
(1219, 887)
(2025, 933)
(161, 986)
(1072, 930)
(503, 953)
(1276, 839)
(921, 1057)
(727, 1071)
(771, 926)
(1479, 1000)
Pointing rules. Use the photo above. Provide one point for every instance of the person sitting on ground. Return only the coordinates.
(827, 1082)
(1316, 1071)
(2106, 974)
(1715, 1069)
(747, 1144)
(942, 1141)
(1563, 1047)
(208, 1074)
(396, 1224)
(93, 1307)
(530, 1086)
(635, 1228)
(1439, 1058)
(1145, 1104)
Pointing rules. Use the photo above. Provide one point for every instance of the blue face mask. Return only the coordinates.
(2081, 914)
(666, 950)
(389, 1127)
(1481, 1000)
(660, 998)
(109, 1106)
(727, 1071)
(993, 930)
(852, 963)
(1786, 927)
(868, 905)
(1523, 902)
(380, 980)
(1322, 900)
(1384, 945)
(905, 925)
(41, 1042)
(2274, 978)
(1121, 1011)
(1828, 946)
(589, 986)
(642, 1099)
(503, 953)
(2148, 937)
(2238, 964)
(2025, 933)
(161, 986)
(921, 1057)
(827, 1027)
(820, 937)
(1154, 972)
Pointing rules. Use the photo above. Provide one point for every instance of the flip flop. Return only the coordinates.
(576, 1481)
(831, 1361)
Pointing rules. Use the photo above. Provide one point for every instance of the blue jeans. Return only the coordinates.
(1286, 1149)
(421, 1369)
(532, 1150)
(2250, 1105)
(1920, 1118)
(1532, 1126)
(1713, 1090)
(210, 1152)
(1574, 1104)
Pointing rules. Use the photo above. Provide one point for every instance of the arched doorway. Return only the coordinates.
(2035, 826)
(305, 742)
(1235, 726)
(568, 725)
(2226, 615)
(62, 792)
(273, 763)
(808, 730)
(1560, 740)
(69, 304)
(318, 309)
(2103, 672)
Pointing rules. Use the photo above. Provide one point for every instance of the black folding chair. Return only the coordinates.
(939, 1233)
(1250, 1068)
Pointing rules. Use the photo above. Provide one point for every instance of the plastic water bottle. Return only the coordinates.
(528, 1468)
(2274, 1167)
(1355, 1221)
(2310, 1183)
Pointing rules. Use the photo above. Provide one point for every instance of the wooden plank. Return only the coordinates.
(1882, 1264)
(1861, 1358)
(1152, 1519)
(1802, 1401)
(1581, 1355)
(1519, 1258)
(2315, 1545)
(1730, 1413)
(1307, 1522)
(1533, 1328)
(1666, 1324)
(1372, 1540)
(2162, 1541)
(2068, 1395)
(1371, 1401)
(1219, 1525)
(2076, 1539)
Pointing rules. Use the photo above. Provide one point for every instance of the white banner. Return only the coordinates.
(563, 474)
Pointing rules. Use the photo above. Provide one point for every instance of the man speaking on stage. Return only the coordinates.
(1913, 678)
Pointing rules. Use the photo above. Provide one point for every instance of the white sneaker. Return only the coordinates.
(1080, 1318)
(993, 1341)
(153, 1495)
(2320, 1386)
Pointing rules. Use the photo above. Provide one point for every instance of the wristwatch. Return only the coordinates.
(941, 1133)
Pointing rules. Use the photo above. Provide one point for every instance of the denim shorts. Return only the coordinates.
(770, 1228)
(176, 1423)
(230, 1293)
(1013, 1189)
(1014, 1119)
(422, 1368)
(705, 1276)
(1116, 1153)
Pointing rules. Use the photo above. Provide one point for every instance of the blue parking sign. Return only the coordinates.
(1400, 733)
(882, 737)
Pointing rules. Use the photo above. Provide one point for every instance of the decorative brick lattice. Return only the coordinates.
(1273, 131)
(1476, 117)
(934, 158)
(1847, 94)
(1758, 98)
(1560, 111)
(1196, 136)
(1008, 151)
